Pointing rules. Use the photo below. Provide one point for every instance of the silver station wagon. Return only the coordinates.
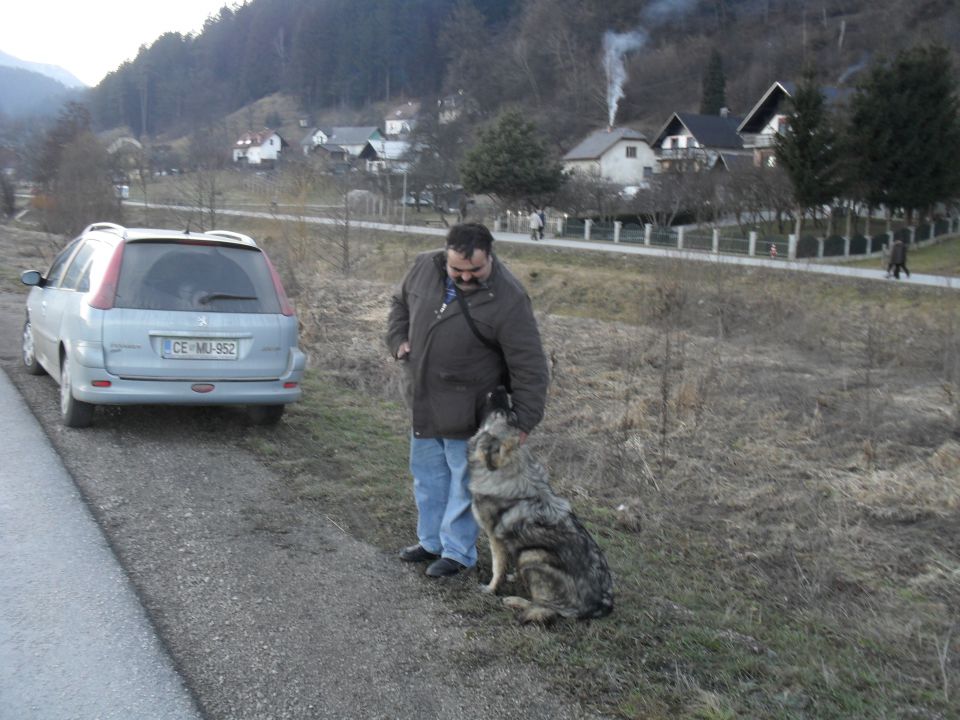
(132, 316)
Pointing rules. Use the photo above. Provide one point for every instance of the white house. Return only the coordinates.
(401, 119)
(690, 141)
(313, 139)
(256, 148)
(354, 139)
(386, 155)
(620, 155)
(770, 117)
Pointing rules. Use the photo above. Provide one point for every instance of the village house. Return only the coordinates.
(259, 148)
(386, 156)
(689, 141)
(619, 155)
(402, 119)
(769, 118)
(351, 139)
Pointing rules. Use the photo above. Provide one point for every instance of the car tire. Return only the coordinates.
(29, 352)
(74, 413)
(265, 414)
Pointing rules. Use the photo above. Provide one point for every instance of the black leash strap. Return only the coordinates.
(486, 341)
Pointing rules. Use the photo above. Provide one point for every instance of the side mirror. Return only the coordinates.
(32, 277)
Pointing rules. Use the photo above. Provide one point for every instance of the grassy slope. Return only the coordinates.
(747, 585)
(777, 491)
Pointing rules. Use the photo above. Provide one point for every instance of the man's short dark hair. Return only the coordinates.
(466, 238)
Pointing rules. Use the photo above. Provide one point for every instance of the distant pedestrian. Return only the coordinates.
(543, 221)
(773, 251)
(898, 259)
(536, 225)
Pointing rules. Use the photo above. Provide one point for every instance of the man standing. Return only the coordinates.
(462, 324)
(898, 259)
(536, 224)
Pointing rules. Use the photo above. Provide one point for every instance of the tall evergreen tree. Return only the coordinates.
(904, 133)
(510, 162)
(807, 149)
(714, 95)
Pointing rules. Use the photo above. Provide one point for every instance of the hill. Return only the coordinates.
(24, 93)
(546, 56)
(54, 72)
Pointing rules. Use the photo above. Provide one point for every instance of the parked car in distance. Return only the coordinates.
(131, 316)
(426, 199)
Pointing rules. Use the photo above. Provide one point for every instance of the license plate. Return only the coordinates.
(200, 348)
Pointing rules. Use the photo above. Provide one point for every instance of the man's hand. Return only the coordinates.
(403, 350)
(523, 437)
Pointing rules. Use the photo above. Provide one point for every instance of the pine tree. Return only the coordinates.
(713, 97)
(808, 149)
(905, 131)
(510, 162)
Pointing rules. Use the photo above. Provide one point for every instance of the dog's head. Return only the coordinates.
(494, 443)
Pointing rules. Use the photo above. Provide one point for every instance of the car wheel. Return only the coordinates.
(75, 413)
(265, 414)
(29, 351)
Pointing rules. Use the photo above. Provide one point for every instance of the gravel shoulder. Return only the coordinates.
(267, 608)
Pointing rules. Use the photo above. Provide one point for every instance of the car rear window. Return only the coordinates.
(201, 277)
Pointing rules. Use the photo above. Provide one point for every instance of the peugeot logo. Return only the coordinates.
(202, 321)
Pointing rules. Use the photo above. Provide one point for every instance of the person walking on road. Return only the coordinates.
(898, 259)
(462, 325)
(543, 221)
(536, 225)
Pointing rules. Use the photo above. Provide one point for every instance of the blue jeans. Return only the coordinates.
(445, 524)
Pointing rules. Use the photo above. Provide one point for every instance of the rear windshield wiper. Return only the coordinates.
(209, 297)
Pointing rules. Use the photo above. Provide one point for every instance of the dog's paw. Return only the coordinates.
(487, 589)
(516, 603)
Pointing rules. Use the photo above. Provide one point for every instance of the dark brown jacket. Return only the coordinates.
(449, 370)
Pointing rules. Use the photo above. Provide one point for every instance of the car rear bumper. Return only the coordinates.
(125, 391)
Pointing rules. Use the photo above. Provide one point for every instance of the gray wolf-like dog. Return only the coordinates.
(528, 525)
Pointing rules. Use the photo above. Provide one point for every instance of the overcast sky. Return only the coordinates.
(92, 37)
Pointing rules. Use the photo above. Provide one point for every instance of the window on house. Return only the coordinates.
(772, 161)
(631, 151)
(647, 172)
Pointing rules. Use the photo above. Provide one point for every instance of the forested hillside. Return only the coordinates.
(545, 56)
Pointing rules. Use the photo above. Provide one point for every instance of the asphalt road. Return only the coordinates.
(265, 607)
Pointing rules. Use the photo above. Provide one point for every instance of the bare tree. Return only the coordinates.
(82, 189)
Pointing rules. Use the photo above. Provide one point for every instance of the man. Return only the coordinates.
(450, 371)
(536, 224)
(898, 259)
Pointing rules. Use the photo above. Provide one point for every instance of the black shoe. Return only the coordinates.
(444, 567)
(416, 553)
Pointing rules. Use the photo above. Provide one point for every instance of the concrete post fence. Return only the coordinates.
(792, 247)
(680, 233)
(716, 240)
(647, 234)
(617, 226)
(586, 228)
(752, 244)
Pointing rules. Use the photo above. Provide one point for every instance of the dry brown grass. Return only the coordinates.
(770, 461)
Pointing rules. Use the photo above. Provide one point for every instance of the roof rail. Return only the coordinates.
(118, 229)
(239, 237)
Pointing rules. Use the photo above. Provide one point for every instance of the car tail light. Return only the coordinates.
(107, 292)
(101, 383)
(289, 385)
(202, 387)
(285, 306)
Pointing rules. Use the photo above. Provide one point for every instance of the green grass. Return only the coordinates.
(942, 258)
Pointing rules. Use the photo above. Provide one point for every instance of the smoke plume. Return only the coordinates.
(615, 47)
